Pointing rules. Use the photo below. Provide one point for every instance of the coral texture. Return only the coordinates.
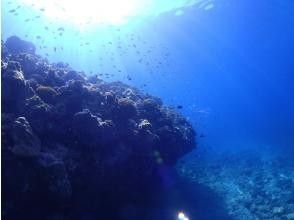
(74, 147)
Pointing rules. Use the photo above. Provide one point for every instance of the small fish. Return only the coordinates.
(11, 11)
(179, 106)
(46, 54)
(42, 9)
(54, 49)
(38, 37)
(61, 48)
(202, 135)
(26, 35)
(38, 16)
(15, 14)
(46, 28)
(60, 29)
(27, 20)
(128, 77)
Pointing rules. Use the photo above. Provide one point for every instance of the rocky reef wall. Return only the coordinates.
(74, 146)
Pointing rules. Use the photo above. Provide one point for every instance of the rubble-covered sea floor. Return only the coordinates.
(251, 186)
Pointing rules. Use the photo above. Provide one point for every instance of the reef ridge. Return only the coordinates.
(76, 147)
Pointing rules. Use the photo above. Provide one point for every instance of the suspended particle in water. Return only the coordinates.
(60, 29)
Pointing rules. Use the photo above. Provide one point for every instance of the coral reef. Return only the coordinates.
(77, 147)
(253, 185)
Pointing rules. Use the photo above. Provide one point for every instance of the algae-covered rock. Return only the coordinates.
(26, 143)
(126, 109)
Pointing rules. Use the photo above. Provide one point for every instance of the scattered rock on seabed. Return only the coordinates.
(253, 187)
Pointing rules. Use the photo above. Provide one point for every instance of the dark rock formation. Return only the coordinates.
(26, 143)
(79, 148)
(14, 85)
(16, 45)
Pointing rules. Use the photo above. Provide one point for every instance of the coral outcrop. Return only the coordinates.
(75, 147)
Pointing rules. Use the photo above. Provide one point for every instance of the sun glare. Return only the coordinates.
(113, 12)
(89, 11)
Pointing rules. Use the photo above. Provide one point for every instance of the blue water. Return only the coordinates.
(230, 67)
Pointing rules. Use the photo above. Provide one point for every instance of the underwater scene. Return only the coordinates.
(147, 110)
